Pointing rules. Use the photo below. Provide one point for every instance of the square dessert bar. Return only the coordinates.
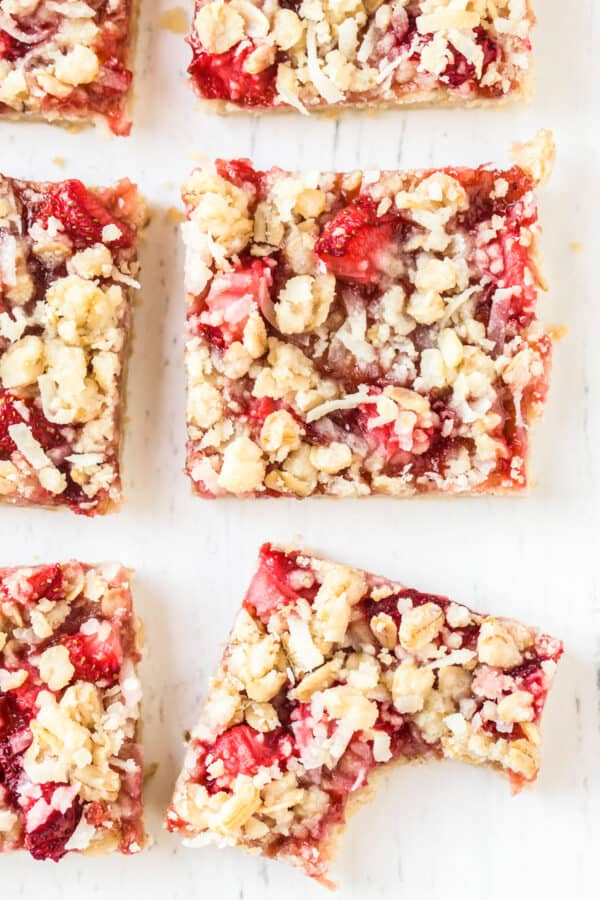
(66, 61)
(68, 267)
(362, 333)
(70, 761)
(310, 54)
(330, 674)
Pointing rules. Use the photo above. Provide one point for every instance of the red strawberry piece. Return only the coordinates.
(15, 737)
(516, 262)
(233, 296)
(514, 273)
(95, 660)
(354, 241)
(460, 70)
(6, 45)
(244, 750)
(48, 840)
(47, 582)
(10, 48)
(239, 172)
(82, 214)
(11, 768)
(381, 436)
(483, 204)
(353, 768)
(259, 409)
(8, 416)
(114, 76)
(221, 76)
(48, 434)
(270, 588)
(97, 813)
(43, 431)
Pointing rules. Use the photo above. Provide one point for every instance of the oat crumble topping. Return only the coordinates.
(70, 761)
(68, 268)
(366, 332)
(331, 672)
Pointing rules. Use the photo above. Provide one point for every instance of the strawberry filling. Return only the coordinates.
(241, 750)
(46, 582)
(355, 241)
(10, 48)
(58, 811)
(397, 441)
(96, 658)
(239, 172)
(403, 38)
(43, 431)
(270, 587)
(222, 76)
(82, 215)
(459, 70)
(232, 297)
(16, 711)
(484, 201)
(49, 436)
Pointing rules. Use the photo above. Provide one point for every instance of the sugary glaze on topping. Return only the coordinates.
(313, 53)
(68, 265)
(329, 674)
(367, 332)
(70, 761)
(66, 60)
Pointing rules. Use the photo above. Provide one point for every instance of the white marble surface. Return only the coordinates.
(436, 831)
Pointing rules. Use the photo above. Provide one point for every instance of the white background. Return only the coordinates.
(443, 830)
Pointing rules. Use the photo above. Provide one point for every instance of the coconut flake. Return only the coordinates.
(352, 335)
(28, 446)
(323, 84)
(8, 259)
(82, 836)
(350, 401)
(454, 658)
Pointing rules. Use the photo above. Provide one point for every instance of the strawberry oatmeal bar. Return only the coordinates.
(68, 267)
(70, 761)
(66, 60)
(330, 673)
(310, 54)
(362, 333)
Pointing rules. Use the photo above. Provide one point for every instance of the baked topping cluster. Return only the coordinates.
(330, 672)
(368, 332)
(70, 764)
(68, 265)
(311, 53)
(65, 59)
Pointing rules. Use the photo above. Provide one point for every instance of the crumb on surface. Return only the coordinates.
(174, 215)
(558, 332)
(175, 20)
